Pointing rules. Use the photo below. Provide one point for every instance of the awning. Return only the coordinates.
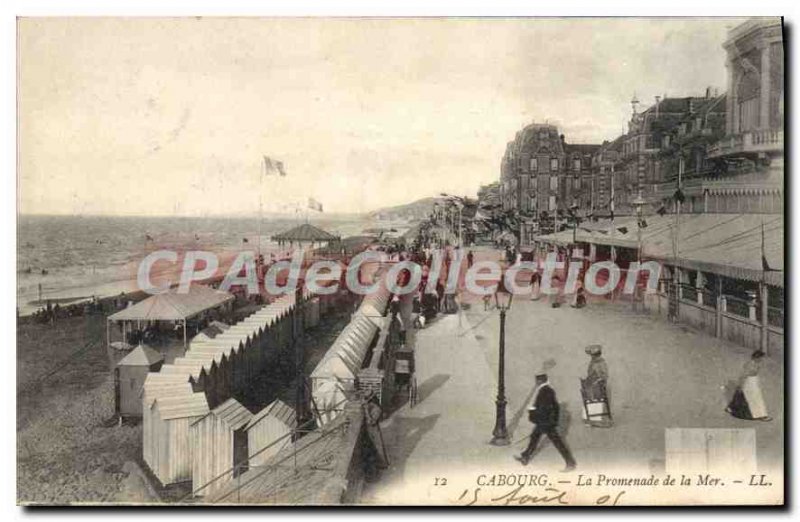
(726, 244)
(174, 306)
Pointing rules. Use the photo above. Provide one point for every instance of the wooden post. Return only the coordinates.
(720, 307)
(184, 335)
(764, 289)
(108, 333)
(699, 285)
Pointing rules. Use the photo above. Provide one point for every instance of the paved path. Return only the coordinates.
(662, 375)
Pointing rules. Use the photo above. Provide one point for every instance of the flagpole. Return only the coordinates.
(260, 204)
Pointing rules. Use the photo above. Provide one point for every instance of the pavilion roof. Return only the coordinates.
(305, 232)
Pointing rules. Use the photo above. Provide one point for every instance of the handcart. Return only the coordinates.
(404, 376)
(596, 407)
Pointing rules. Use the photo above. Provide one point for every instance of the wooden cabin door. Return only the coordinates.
(240, 452)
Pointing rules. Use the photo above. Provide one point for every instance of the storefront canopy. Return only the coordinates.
(725, 244)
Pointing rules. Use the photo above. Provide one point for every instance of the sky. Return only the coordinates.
(166, 116)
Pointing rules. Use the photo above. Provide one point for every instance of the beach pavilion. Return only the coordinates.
(305, 234)
(173, 307)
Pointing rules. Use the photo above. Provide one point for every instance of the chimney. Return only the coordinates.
(658, 99)
(708, 92)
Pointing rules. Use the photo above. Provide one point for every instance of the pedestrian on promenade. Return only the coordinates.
(579, 300)
(470, 258)
(439, 296)
(748, 401)
(536, 280)
(544, 413)
(596, 407)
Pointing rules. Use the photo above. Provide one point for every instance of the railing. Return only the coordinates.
(737, 306)
(241, 466)
(775, 317)
(709, 297)
(758, 140)
(689, 292)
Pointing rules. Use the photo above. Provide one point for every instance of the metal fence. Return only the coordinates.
(775, 316)
(737, 306)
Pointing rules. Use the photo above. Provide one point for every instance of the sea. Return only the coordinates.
(67, 259)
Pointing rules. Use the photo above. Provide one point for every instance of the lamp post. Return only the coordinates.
(502, 298)
(638, 204)
(456, 202)
(574, 211)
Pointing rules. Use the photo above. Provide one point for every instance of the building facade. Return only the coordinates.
(748, 159)
(542, 177)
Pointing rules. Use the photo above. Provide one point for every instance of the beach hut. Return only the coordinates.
(129, 376)
(220, 442)
(335, 375)
(311, 312)
(209, 332)
(269, 431)
(168, 451)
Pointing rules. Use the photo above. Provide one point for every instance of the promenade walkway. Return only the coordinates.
(662, 376)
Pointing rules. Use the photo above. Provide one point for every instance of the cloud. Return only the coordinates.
(137, 114)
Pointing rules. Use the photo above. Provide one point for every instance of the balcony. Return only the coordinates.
(755, 141)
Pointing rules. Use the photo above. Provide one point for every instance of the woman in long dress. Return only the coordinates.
(748, 401)
(595, 389)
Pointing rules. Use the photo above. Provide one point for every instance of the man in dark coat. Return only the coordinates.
(544, 414)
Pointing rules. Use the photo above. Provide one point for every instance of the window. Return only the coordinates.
(534, 165)
(576, 164)
(748, 114)
(577, 184)
(554, 164)
(553, 182)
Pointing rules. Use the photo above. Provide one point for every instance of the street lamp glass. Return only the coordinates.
(638, 204)
(502, 297)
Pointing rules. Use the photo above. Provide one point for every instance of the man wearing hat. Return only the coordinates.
(544, 413)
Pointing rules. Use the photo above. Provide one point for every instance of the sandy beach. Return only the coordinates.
(68, 447)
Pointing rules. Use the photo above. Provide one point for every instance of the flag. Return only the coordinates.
(245, 240)
(273, 167)
(148, 237)
(313, 204)
(623, 230)
(661, 211)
